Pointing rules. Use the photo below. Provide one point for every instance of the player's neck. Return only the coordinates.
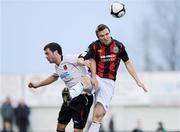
(58, 61)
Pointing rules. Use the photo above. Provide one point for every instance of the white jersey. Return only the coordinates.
(70, 71)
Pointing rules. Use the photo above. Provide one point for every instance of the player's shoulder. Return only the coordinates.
(118, 43)
(95, 42)
(70, 58)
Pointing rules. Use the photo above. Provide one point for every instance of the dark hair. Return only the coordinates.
(53, 47)
(101, 27)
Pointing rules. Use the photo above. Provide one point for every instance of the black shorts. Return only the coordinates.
(78, 110)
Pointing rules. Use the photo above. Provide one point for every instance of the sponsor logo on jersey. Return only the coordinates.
(66, 77)
(106, 58)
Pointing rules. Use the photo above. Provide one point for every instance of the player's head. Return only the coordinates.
(53, 52)
(103, 34)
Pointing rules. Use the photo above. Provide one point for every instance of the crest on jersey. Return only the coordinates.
(65, 67)
(116, 50)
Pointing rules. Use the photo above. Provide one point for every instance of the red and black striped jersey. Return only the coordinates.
(107, 57)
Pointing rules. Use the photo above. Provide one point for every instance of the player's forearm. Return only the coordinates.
(47, 81)
(133, 73)
(131, 70)
(93, 68)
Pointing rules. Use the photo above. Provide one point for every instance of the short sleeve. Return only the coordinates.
(55, 75)
(124, 55)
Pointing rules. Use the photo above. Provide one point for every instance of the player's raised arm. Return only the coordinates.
(132, 72)
(44, 82)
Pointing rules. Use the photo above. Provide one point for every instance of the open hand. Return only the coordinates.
(140, 84)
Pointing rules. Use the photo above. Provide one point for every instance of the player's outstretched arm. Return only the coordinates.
(132, 72)
(44, 82)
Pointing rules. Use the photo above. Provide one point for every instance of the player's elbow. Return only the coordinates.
(127, 62)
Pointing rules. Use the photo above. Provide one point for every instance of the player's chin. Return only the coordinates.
(50, 61)
(107, 43)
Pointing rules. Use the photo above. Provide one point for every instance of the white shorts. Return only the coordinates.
(105, 91)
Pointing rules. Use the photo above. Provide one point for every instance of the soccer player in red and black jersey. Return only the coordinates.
(107, 53)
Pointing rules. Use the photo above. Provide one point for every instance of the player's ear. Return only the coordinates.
(56, 52)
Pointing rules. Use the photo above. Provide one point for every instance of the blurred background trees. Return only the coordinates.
(160, 34)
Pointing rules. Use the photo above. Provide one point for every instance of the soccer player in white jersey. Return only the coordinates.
(78, 82)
